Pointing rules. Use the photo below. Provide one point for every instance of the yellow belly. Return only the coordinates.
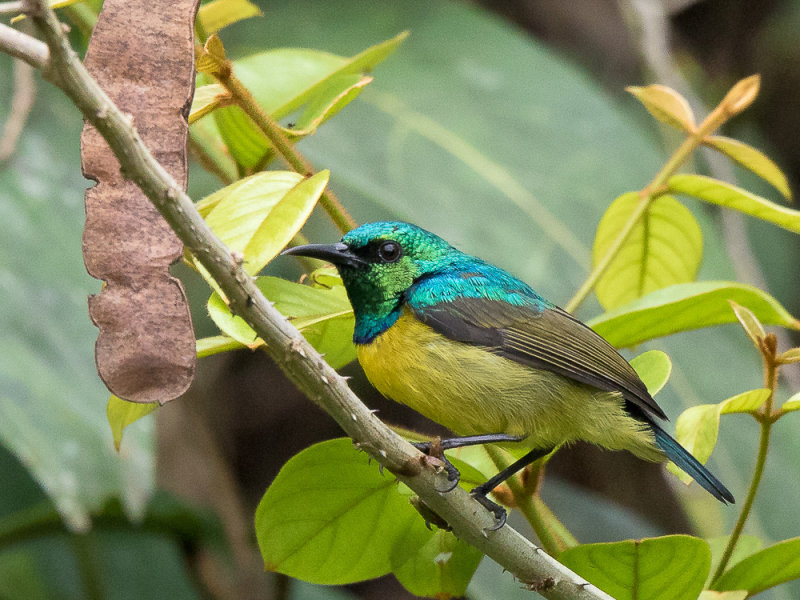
(472, 391)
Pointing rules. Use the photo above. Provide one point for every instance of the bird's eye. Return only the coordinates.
(389, 251)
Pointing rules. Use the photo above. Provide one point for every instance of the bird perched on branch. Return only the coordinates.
(477, 350)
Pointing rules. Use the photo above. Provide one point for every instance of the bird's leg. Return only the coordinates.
(469, 440)
(437, 446)
(480, 492)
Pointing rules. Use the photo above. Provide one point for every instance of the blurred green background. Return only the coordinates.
(502, 127)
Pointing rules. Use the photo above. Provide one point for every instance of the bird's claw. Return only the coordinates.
(498, 511)
(433, 449)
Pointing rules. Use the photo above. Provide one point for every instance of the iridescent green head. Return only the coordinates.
(378, 262)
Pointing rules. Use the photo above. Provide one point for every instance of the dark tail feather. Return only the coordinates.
(681, 457)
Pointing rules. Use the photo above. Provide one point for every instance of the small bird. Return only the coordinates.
(475, 349)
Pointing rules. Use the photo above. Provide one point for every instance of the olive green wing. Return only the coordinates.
(545, 337)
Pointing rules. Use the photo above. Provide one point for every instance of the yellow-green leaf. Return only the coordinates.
(322, 314)
(217, 14)
(654, 368)
(684, 307)
(283, 222)
(698, 427)
(792, 404)
(236, 211)
(790, 356)
(718, 192)
(211, 58)
(666, 105)
(341, 91)
(671, 567)
(206, 99)
(663, 249)
(209, 346)
(121, 413)
(753, 160)
(765, 569)
(750, 323)
(285, 79)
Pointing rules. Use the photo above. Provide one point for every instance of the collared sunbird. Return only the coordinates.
(475, 349)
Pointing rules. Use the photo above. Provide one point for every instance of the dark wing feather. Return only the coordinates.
(547, 338)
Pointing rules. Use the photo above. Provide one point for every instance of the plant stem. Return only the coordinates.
(648, 194)
(766, 420)
(553, 536)
(763, 447)
(244, 99)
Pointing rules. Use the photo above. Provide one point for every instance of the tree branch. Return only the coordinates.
(299, 361)
(22, 46)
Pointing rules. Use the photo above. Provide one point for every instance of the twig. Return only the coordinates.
(10, 8)
(21, 104)
(299, 361)
(22, 46)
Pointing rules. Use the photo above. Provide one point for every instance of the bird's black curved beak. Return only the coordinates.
(338, 254)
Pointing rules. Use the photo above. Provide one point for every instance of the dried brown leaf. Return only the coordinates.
(142, 56)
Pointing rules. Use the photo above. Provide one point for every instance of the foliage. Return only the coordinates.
(318, 520)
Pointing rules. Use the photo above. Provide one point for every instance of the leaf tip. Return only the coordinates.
(742, 94)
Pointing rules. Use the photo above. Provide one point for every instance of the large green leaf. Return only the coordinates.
(433, 564)
(665, 568)
(654, 368)
(283, 80)
(769, 567)
(685, 307)
(322, 314)
(730, 196)
(663, 249)
(331, 517)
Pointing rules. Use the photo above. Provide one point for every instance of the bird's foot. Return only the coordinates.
(434, 450)
(498, 511)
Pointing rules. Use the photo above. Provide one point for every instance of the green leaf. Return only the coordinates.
(791, 356)
(206, 99)
(121, 413)
(718, 192)
(664, 248)
(664, 568)
(765, 569)
(323, 315)
(666, 105)
(330, 517)
(285, 79)
(685, 307)
(209, 346)
(236, 211)
(792, 404)
(205, 137)
(750, 323)
(752, 159)
(339, 93)
(654, 368)
(217, 14)
(698, 427)
(283, 222)
(433, 564)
